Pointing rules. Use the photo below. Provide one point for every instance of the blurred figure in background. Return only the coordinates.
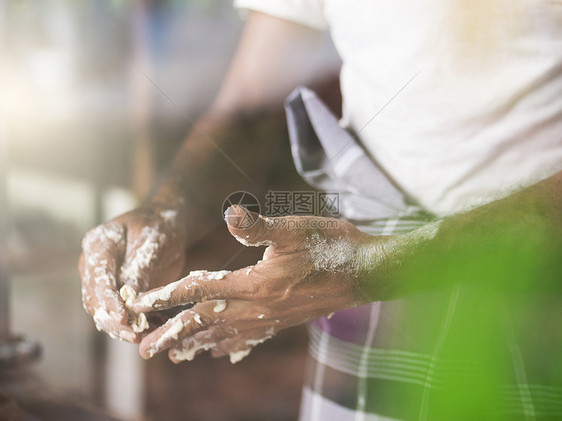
(431, 297)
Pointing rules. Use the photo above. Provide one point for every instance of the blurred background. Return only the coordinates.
(94, 97)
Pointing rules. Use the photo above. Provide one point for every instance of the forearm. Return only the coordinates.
(223, 154)
(514, 243)
(232, 146)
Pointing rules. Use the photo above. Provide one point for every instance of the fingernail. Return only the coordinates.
(146, 355)
(233, 215)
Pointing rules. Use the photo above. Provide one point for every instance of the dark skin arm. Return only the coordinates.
(321, 265)
(512, 243)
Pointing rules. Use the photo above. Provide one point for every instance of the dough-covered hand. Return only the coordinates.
(141, 249)
(312, 267)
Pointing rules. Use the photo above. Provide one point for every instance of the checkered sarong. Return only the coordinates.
(445, 354)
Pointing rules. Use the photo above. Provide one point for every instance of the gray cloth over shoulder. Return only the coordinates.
(331, 159)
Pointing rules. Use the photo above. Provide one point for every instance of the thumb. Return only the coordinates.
(252, 229)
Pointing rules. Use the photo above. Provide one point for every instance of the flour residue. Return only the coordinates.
(101, 318)
(145, 251)
(111, 231)
(237, 356)
(138, 321)
(172, 328)
(99, 279)
(220, 306)
(268, 335)
(330, 256)
(169, 216)
(190, 349)
(206, 275)
(245, 241)
(163, 295)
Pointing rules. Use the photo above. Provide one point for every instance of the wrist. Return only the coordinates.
(394, 258)
(170, 191)
(193, 218)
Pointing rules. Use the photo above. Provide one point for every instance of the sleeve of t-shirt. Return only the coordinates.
(306, 12)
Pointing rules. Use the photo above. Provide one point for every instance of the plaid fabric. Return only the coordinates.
(400, 360)
(451, 354)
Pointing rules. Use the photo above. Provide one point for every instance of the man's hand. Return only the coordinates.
(312, 267)
(267, 66)
(144, 248)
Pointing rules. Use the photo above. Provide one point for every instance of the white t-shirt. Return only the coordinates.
(459, 101)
